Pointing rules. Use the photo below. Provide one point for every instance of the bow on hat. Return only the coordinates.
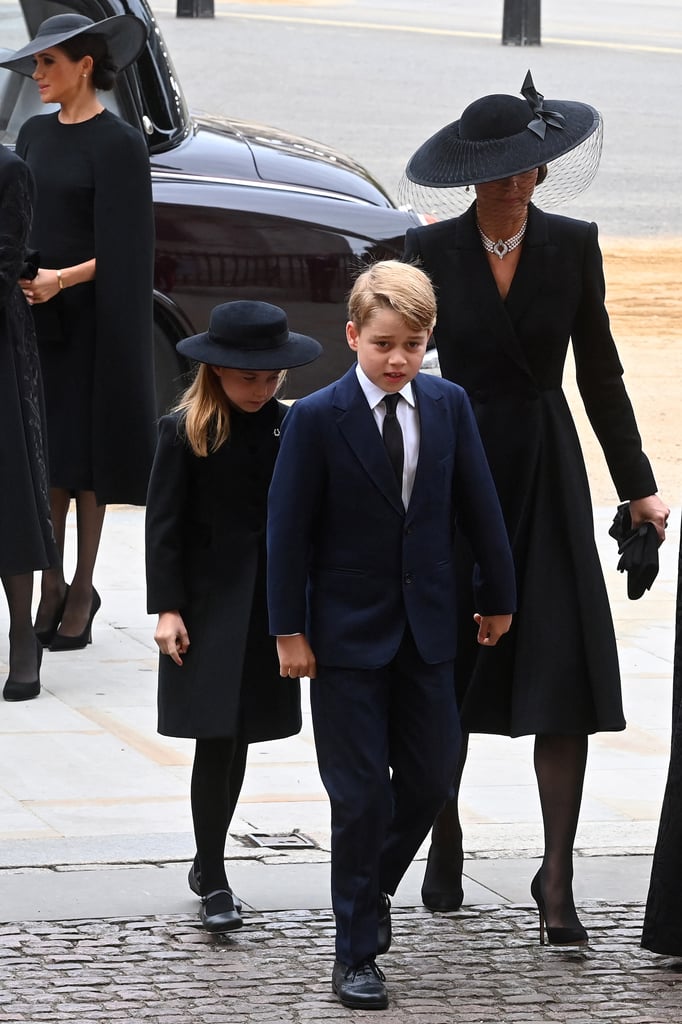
(542, 117)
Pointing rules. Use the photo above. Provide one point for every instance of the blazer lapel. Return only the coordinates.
(535, 265)
(358, 426)
(431, 409)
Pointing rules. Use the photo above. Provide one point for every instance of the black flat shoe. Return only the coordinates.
(384, 931)
(77, 643)
(14, 690)
(46, 636)
(194, 882)
(442, 885)
(360, 987)
(217, 912)
(556, 936)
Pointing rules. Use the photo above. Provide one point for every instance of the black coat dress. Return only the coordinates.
(26, 537)
(557, 670)
(205, 544)
(93, 198)
(662, 931)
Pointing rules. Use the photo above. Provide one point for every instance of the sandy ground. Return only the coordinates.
(644, 299)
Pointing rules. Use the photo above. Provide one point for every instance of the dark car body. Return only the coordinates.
(242, 210)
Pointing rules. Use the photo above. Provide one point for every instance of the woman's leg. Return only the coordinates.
(560, 770)
(217, 777)
(89, 520)
(442, 885)
(23, 649)
(53, 585)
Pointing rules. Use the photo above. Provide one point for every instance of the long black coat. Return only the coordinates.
(205, 549)
(94, 198)
(662, 931)
(557, 670)
(26, 537)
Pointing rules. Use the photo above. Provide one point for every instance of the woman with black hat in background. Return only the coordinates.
(515, 285)
(219, 678)
(92, 296)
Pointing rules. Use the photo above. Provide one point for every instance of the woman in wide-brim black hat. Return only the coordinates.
(92, 296)
(219, 680)
(516, 286)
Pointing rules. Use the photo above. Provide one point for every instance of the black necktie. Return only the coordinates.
(393, 437)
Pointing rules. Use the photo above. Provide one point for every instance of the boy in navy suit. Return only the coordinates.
(366, 496)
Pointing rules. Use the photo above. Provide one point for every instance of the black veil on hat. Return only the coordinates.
(125, 36)
(498, 136)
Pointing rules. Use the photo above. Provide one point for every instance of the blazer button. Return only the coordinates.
(408, 578)
(408, 530)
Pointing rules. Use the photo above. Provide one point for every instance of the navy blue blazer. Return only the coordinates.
(348, 565)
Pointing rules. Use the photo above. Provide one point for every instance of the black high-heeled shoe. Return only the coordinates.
(14, 690)
(556, 936)
(46, 636)
(442, 886)
(77, 643)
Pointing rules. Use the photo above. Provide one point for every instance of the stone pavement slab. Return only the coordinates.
(480, 966)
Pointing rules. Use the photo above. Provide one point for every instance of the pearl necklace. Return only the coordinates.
(502, 247)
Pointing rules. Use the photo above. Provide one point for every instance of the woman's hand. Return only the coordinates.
(42, 288)
(295, 657)
(491, 628)
(650, 510)
(172, 636)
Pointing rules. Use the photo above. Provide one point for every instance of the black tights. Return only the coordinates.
(217, 777)
(23, 646)
(560, 771)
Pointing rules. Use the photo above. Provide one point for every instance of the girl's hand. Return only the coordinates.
(650, 510)
(491, 628)
(295, 657)
(42, 288)
(172, 636)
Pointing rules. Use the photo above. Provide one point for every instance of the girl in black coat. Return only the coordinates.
(205, 546)
(515, 286)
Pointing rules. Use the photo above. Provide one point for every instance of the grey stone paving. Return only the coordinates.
(480, 966)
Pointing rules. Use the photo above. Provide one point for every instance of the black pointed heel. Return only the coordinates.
(14, 690)
(574, 936)
(46, 636)
(77, 643)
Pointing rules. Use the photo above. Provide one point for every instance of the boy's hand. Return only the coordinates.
(491, 628)
(295, 657)
(172, 636)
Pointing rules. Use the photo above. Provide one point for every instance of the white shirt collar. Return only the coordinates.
(375, 395)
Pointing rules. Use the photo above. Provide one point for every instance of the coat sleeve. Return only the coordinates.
(479, 517)
(16, 191)
(600, 381)
(294, 500)
(124, 373)
(165, 516)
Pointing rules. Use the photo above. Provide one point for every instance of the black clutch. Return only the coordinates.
(31, 265)
(638, 550)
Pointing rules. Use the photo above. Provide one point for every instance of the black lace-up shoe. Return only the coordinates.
(360, 987)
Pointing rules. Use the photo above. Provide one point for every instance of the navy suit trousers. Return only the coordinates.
(387, 745)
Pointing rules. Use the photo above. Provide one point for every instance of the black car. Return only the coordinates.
(242, 210)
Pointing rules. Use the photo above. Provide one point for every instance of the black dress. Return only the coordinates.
(557, 670)
(95, 339)
(26, 536)
(662, 931)
(205, 548)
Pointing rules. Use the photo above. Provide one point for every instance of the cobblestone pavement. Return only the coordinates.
(480, 966)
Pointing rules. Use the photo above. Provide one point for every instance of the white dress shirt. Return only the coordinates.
(408, 418)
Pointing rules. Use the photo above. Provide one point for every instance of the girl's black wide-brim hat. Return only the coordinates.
(249, 335)
(125, 37)
(498, 136)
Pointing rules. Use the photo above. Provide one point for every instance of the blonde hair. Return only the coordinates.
(205, 410)
(391, 284)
